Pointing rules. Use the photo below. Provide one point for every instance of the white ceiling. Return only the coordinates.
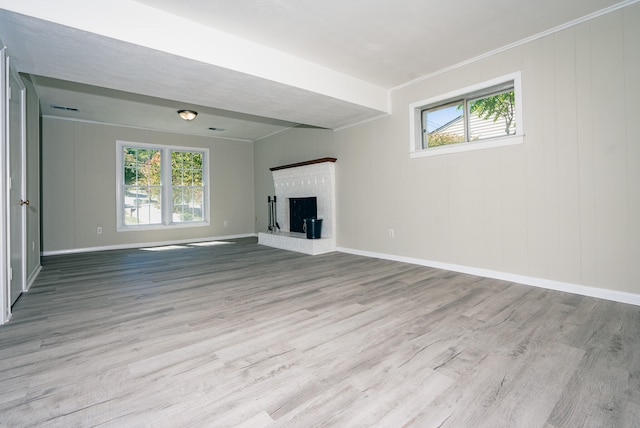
(256, 67)
(385, 42)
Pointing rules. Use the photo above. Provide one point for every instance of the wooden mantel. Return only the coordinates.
(310, 162)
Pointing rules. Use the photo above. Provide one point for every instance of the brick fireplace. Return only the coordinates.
(315, 178)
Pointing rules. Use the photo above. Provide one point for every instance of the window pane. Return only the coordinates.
(492, 116)
(187, 193)
(178, 203)
(141, 166)
(197, 204)
(142, 205)
(129, 161)
(443, 125)
(176, 176)
(130, 205)
(197, 160)
(187, 204)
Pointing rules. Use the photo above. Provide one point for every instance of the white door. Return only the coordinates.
(17, 199)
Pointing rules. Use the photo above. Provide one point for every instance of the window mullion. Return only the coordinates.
(467, 119)
(165, 183)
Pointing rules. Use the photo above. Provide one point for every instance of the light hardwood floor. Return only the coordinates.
(242, 335)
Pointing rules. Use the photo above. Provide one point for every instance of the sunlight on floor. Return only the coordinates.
(165, 248)
(210, 243)
(180, 247)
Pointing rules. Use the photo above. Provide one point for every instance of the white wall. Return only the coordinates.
(564, 206)
(79, 167)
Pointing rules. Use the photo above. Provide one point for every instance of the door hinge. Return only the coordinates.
(10, 274)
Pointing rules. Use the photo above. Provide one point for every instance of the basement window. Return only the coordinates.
(481, 116)
(161, 186)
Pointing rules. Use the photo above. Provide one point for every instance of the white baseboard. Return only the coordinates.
(145, 244)
(601, 293)
(32, 277)
(6, 318)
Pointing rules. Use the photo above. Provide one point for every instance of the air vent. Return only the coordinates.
(63, 108)
(217, 129)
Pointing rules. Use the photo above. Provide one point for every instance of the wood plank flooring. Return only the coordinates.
(241, 335)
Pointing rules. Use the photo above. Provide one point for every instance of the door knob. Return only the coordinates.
(24, 202)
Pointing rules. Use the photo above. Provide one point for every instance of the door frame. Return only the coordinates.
(6, 71)
(13, 74)
(5, 308)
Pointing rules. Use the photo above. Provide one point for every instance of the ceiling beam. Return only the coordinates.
(132, 22)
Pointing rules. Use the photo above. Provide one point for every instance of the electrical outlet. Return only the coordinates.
(391, 233)
(99, 230)
(33, 245)
(226, 223)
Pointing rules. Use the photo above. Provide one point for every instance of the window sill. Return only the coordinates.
(161, 226)
(466, 147)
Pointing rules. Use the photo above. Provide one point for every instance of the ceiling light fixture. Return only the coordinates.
(188, 115)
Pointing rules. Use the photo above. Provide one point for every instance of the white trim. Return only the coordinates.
(8, 72)
(521, 42)
(145, 244)
(142, 228)
(5, 310)
(274, 133)
(23, 173)
(466, 147)
(415, 119)
(33, 277)
(583, 290)
(371, 119)
(167, 222)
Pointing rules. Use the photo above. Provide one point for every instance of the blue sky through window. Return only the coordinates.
(442, 116)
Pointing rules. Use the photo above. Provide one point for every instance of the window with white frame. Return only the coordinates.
(161, 186)
(481, 116)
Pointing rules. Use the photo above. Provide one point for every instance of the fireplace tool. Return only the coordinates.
(270, 227)
(273, 221)
(275, 213)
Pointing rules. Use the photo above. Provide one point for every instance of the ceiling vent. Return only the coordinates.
(63, 108)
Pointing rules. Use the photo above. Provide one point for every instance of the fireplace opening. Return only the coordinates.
(299, 209)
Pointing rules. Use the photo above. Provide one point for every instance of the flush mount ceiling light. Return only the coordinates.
(188, 115)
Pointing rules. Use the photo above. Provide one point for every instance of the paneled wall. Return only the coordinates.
(564, 206)
(79, 167)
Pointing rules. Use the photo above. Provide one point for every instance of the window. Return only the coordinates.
(482, 116)
(161, 186)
